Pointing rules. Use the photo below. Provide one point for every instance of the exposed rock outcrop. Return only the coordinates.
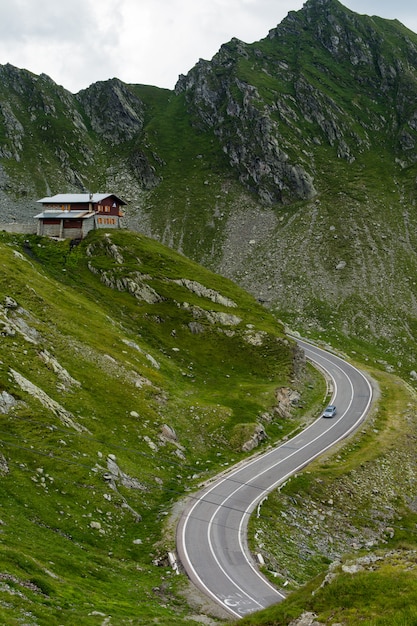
(7, 401)
(205, 292)
(259, 435)
(249, 136)
(12, 321)
(66, 381)
(115, 474)
(57, 409)
(133, 284)
(4, 468)
(286, 399)
(113, 110)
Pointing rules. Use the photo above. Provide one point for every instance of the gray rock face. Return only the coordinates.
(70, 134)
(7, 401)
(258, 436)
(134, 284)
(14, 132)
(57, 409)
(114, 112)
(268, 112)
(117, 116)
(204, 292)
(4, 469)
(248, 134)
(115, 474)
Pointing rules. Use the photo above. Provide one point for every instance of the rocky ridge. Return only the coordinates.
(250, 136)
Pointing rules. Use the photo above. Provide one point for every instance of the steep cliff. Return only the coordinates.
(52, 139)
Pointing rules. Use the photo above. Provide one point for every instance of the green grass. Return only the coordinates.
(72, 545)
(379, 598)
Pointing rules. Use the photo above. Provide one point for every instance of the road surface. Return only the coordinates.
(211, 534)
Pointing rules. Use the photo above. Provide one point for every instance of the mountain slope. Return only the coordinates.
(287, 165)
(128, 375)
(322, 111)
(325, 77)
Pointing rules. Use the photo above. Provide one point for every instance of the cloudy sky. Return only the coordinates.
(78, 42)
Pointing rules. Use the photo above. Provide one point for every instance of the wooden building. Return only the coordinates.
(73, 215)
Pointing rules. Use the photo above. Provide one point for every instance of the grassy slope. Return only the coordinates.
(359, 200)
(188, 210)
(72, 546)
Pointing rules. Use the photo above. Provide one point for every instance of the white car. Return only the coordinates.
(330, 411)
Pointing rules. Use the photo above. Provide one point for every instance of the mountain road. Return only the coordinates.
(212, 531)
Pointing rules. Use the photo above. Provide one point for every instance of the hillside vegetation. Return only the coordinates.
(128, 376)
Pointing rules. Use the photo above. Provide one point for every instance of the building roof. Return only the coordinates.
(80, 198)
(64, 215)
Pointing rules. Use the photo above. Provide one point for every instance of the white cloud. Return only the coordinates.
(78, 42)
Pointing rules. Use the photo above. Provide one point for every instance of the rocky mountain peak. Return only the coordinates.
(114, 111)
(257, 97)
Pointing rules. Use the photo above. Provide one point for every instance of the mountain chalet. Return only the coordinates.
(73, 215)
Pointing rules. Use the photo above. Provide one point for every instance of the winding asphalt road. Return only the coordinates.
(211, 534)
